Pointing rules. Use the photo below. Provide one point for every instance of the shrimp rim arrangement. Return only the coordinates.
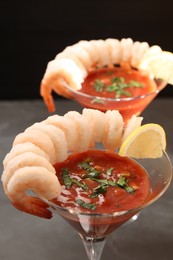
(68, 70)
(29, 164)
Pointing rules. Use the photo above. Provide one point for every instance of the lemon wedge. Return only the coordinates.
(159, 64)
(147, 141)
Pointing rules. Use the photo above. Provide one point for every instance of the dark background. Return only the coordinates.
(33, 32)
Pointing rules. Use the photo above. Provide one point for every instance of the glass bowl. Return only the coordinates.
(94, 228)
(126, 106)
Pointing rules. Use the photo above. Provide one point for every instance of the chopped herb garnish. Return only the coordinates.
(129, 189)
(122, 182)
(97, 100)
(112, 183)
(118, 86)
(112, 88)
(91, 171)
(98, 85)
(99, 190)
(105, 182)
(109, 171)
(66, 177)
(84, 165)
(136, 84)
(68, 181)
(86, 205)
(122, 92)
(80, 184)
(92, 174)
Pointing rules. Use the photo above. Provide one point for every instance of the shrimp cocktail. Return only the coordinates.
(92, 168)
(108, 74)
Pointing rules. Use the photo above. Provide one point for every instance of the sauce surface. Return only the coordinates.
(101, 182)
(117, 82)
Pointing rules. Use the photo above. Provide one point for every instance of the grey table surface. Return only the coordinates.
(25, 237)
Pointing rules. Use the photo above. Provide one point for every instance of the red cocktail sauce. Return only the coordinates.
(118, 88)
(101, 182)
(117, 82)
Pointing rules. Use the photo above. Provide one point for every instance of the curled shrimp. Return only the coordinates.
(114, 130)
(72, 65)
(22, 148)
(59, 71)
(68, 126)
(57, 139)
(37, 179)
(21, 160)
(29, 164)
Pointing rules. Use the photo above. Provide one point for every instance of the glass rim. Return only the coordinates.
(117, 213)
(124, 99)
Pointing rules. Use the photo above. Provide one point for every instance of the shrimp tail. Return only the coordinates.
(60, 72)
(45, 92)
(36, 179)
(34, 206)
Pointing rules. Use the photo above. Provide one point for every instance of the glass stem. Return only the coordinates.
(93, 247)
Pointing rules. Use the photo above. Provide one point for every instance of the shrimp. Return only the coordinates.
(97, 121)
(22, 148)
(83, 59)
(115, 51)
(114, 130)
(83, 130)
(39, 180)
(132, 124)
(138, 51)
(57, 137)
(24, 159)
(40, 139)
(71, 66)
(68, 126)
(127, 45)
(29, 164)
(92, 52)
(102, 52)
(60, 72)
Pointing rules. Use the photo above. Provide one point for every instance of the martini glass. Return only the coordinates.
(127, 106)
(94, 228)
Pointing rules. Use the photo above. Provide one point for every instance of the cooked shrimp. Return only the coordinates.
(70, 53)
(83, 59)
(40, 139)
(97, 122)
(58, 72)
(22, 160)
(29, 164)
(71, 66)
(132, 124)
(86, 45)
(115, 51)
(83, 131)
(127, 45)
(101, 51)
(39, 180)
(114, 130)
(22, 148)
(57, 137)
(139, 49)
(68, 126)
